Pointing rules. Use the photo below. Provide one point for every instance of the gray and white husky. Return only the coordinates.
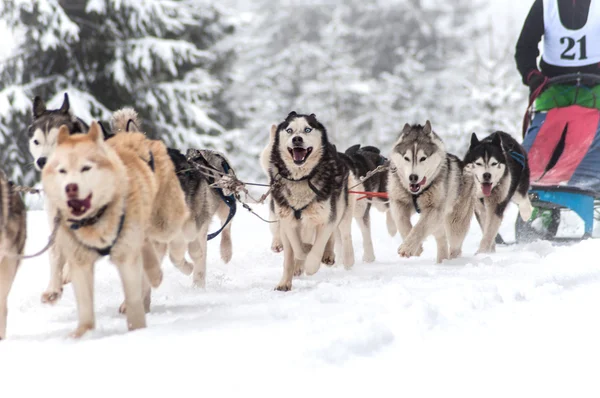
(310, 196)
(500, 166)
(424, 178)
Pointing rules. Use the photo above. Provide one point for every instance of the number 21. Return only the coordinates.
(570, 44)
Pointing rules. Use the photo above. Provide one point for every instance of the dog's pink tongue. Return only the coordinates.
(486, 189)
(299, 154)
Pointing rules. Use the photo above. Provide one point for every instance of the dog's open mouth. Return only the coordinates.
(80, 206)
(486, 188)
(414, 188)
(300, 154)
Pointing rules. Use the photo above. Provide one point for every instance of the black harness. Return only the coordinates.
(228, 199)
(298, 212)
(89, 221)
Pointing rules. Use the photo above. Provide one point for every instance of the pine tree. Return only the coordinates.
(164, 58)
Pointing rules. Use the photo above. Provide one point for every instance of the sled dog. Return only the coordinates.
(424, 178)
(13, 232)
(360, 161)
(104, 196)
(43, 134)
(310, 196)
(499, 164)
(195, 176)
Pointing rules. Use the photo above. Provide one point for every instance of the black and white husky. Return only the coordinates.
(499, 164)
(310, 196)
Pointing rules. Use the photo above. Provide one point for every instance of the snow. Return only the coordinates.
(521, 322)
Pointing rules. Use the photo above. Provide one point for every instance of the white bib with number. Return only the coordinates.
(566, 47)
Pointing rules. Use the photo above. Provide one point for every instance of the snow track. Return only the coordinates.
(521, 323)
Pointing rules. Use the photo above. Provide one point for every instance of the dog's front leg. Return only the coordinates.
(292, 231)
(54, 289)
(131, 270)
(401, 215)
(285, 284)
(152, 264)
(429, 220)
(8, 270)
(82, 278)
(276, 244)
(313, 259)
(493, 219)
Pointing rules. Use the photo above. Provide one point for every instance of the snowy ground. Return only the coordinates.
(520, 323)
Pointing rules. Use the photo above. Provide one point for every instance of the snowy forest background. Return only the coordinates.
(217, 74)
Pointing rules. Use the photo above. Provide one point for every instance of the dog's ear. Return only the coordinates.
(39, 106)
(63, 134)
(66, 106)
(313, 115)
(497, 140)
(95, 133)
(132, 127)
(291, 114)
(427, 129)
(406, 128)
(474, 140)
(273, 131)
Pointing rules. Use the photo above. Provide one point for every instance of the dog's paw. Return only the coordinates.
(277, 246)
(298, 269)
(80, 331)
(51, 297)
(328, 259)
(284, 287)
(200, 280)
(368, 257)
(155, 277)
(526, 211)
(123, 308)
(186, 268)
(312, 264)
(410, 250)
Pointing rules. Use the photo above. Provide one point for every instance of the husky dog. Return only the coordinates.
(310, 196)
(43, 133)
(423, 178)
(360, 161)
(195, 177)
(499, 164)
(13, 232)
(105, 198)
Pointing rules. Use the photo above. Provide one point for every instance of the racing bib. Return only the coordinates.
(566, 47)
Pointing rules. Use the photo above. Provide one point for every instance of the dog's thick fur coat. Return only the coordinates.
(88, 180)
(310, 196)
(424, 177)
(500, 166)
(13, 232)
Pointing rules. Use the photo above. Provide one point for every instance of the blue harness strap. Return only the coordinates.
(519, 158)
(229, 201)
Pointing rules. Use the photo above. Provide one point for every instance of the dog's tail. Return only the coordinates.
(4, 201)
(125, 120)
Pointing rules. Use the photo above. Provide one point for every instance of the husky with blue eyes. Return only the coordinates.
(499, 164)
(309, 197)
(425, 179)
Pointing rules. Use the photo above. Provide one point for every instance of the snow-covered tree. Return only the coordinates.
(365, 68)
(163, 57)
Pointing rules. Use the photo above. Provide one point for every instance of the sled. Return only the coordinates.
(562, 140)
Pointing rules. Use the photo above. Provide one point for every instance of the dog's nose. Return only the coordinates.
(413, 178)
(297, 140)
(487, 176)
(41, 162)
(72, 191)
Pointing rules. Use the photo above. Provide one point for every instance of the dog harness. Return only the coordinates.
(89, 221)
(518, 157)
(298, 212)
(228, 199)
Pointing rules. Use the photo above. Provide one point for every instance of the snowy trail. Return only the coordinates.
(521, 322)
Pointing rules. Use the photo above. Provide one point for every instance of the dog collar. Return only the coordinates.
(106, 250)
(88, 221)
